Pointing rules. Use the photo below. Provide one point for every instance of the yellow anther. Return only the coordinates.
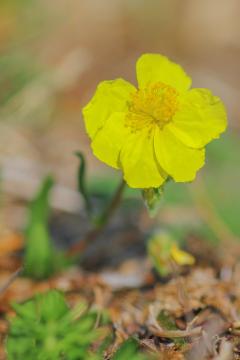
(152, 106)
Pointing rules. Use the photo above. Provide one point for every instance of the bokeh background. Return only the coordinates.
(52, 56)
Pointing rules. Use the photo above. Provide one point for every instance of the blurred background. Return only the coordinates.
(52, 56)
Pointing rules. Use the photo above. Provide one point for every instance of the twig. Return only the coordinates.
(235, 332)
(176, 333)
(149, 345)
(208, 344)
(157, 330)
(226, 351)
(183, 297)
(236, 324)
(11, 279)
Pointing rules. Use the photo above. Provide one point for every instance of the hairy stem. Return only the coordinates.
(102, 221)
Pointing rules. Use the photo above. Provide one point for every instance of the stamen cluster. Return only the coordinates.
(152, 106)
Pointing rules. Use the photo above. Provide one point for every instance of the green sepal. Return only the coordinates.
(152, 198)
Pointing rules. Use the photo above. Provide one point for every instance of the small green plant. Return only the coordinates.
(39, 252)
(41, 259)
(164, 251)
(44, 328)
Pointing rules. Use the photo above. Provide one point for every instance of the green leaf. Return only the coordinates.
(53, 306)
(39, 252)
(129, 350)
(82, 183)
(26, 311)
(152, 198)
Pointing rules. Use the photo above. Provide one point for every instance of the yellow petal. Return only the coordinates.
(201, 117)
(178, 160)
(138, 162)
(110, 96)
(152, 68)
(109, 140)
(181, 257)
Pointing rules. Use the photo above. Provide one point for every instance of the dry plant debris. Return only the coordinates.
(193, 315)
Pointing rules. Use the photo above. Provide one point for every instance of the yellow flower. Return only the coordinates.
(162, 249)
(156, 130)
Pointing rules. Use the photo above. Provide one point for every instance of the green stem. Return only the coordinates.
(101, 222)
(107, 213)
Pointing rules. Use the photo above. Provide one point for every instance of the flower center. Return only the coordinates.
(152, 106)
